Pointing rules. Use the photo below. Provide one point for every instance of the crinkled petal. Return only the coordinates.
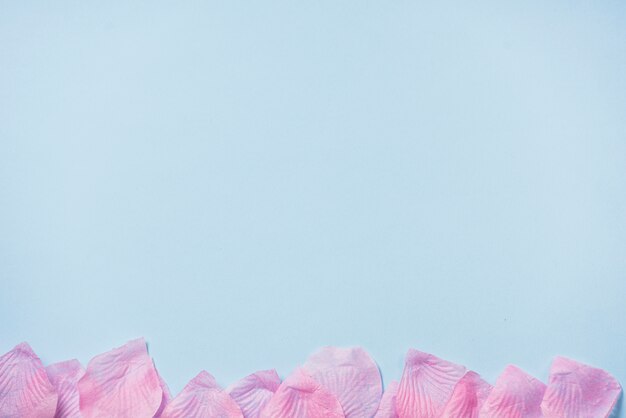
(253, 392)
(426, 386)
(64, 376)
(468, 397)
(301, 396)
(202, 398)
(351, 375)
(577, 390)
(515, 395)
(121, 383)
(387, 407)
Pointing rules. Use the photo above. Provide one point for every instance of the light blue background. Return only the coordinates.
(242, 183)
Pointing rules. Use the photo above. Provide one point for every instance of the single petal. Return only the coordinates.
(202, 398)
(300, 396)
(577, 390)
(64, 376)
(351, 375)
(166, 398)
(426, 386)
(387, 407)
(253, 392)
(468, 397)
(121, 383)
(515, 395)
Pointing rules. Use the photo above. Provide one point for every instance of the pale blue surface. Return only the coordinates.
(242, 184)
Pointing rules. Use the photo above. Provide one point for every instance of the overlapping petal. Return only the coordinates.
(515, 395)
(64, 376)
(468, 397)
(387, 406)
(253, 392)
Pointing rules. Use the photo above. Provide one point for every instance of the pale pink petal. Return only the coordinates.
(202, 398)
(64, 376)
(387, 407)
(515, 395)
(165, 399)
(121, 383)
(300, 396)
(468, 397)
(426, 385)
(351, 375)
(577, 390)
(25, 390)
(253, 392)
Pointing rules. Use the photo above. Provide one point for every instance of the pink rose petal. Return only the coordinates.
(515, 395)
(202, 398)
(577, 390)
(25, 390)
(253, 392)
(165, 399)
(426, 386)
(300, 396)
(387, 407)
(121, 383)
(468, 397)
(351, 375)
(65, 376)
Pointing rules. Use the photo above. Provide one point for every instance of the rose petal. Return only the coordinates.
(300, 396)
(121, 383)
(515, 395)
(577, 390)
(166, 398)
(351, 375)
(468, 397)
(202, 398)
(387, 407)
(25, 390)
(426, 386)
(64, 376)
(253, 392)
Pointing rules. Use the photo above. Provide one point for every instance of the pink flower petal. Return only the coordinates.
(121, 383)
(351, 375)
(468, 397)
(426, 386)
(64, 376)
(253, 392)
(577, 390)
(165, 399)
(516, 395)
(300, 396)
(25, 390)
(202, 398)
(387, 407)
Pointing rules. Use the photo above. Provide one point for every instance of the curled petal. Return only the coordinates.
(165, 399)
(25, 390)
(65, 376)
(387, 407)
(300, 396)
(515, 395)
(468, 397)
(253, 392)
(577, 390)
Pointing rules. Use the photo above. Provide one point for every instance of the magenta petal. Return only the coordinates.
(25, 390)
(515, 395)
(65, 376)
(253, 392)
(468, 397)
(351, 375)
(202, 398)
(426, 386)
(387, 407)
(121, 383)
(577, 390)
(300, 396)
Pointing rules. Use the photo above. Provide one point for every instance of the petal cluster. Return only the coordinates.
(332, 383)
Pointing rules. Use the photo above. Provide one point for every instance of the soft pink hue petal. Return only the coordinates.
(25, 390)
(202, 398)
(426, 386)
(121, 383)
(468, 397)
(515, 395)
(576, 390)
(351, 375)
(300, 396)
(387, 407)
(64, 376)
(253, 392)
(165, 399)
